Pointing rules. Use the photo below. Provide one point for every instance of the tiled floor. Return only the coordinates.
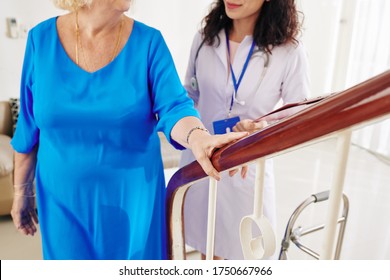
(299, 174)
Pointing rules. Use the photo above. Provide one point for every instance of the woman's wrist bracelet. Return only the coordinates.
(192, 130)
(23, 185)
(25, 195)
(29, 192)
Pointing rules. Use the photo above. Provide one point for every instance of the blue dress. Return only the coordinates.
(99, 175)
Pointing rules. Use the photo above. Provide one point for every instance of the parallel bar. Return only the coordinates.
(212, 210)
(335, 195)
(259, 188)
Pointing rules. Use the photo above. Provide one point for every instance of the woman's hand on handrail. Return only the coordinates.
(190, 133)
(251, 127)
(203, 145)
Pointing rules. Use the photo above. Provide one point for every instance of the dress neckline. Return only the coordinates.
(108, 65)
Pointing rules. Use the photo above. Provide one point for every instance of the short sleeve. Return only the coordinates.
(170, 100)
(26, 135)
(296, 81)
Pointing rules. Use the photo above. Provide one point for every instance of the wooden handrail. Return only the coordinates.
(364, 102)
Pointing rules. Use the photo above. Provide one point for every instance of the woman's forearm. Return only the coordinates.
(191, 133)
(186, 130)
(24, 171)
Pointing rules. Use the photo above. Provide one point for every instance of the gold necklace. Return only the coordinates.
(78, 41)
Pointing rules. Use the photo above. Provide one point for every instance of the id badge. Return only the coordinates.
(226, 125)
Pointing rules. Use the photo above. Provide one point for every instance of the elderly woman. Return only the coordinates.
(96, 87)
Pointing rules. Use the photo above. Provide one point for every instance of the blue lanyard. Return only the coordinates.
(235, 83)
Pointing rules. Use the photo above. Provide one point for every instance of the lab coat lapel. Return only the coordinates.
(221, 50)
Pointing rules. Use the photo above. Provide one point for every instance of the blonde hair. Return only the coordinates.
(71, 5)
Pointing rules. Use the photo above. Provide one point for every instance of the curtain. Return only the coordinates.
(369, 56)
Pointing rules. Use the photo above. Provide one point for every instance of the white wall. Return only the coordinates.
(326, 24)
(320, 32)
(178, 24)
(12, 50)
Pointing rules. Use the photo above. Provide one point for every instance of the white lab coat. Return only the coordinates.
(286, 79)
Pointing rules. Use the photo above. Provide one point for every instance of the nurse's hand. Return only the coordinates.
(251, 127)
(244, 171)
(203, 144)
(23, 212)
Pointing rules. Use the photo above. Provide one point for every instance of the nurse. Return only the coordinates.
(246, 59)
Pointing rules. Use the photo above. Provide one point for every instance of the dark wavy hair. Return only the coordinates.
(278, 23)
